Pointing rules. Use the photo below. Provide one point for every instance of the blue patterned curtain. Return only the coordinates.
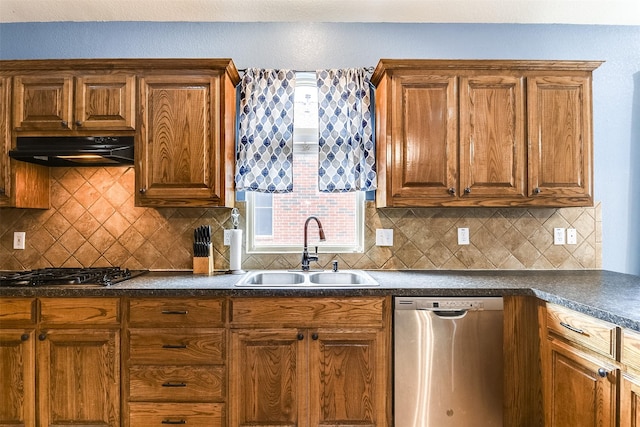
(264, 156)
(347, 154)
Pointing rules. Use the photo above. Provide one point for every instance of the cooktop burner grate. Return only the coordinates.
(104, 276)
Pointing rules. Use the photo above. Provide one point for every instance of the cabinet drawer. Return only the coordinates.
(307, 312)
(176, 312)
(176, 347)
(165, 414)
(631, 349)
(17, 310)
(176, 383)
(594, 334)
(78, 311)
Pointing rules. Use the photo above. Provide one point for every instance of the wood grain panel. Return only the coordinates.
(79, 377)
(579, 396)
(346, 369)
(630, 401)
(189, 414)
(268, 377)
(177, 383)
(17, 377)
(176, 312)
(17, 310)
(307, 312)
(492, 137)
(579, 328)
(105, 101)
(80, 311)
(176, 346)
(43, 102)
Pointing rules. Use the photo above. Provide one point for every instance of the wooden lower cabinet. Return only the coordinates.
(176, 362)
(313, 374)
(17, 377)
(630, 401)
(583, 389)
(60, 362)
(79, 377)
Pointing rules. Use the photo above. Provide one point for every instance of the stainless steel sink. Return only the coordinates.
(288, 278)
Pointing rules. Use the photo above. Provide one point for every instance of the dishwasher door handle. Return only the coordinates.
(448, 314)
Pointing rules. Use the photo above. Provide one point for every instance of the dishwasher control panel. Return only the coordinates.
(448, 303)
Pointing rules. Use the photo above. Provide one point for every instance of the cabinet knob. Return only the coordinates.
(602, 372)
(142, 190)
(314, 336)
(537, 190)
(24, 337)
(300, 336)
(42, 336)
(78, 123)
(64, 124)
(452, 191)
(467, 190)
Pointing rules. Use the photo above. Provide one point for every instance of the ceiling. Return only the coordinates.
(599, 12)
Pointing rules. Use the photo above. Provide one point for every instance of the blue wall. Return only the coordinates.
(307, 46)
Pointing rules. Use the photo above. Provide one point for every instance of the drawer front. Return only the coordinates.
(307, 312)
(78, 311)
(631, 350)
(176, 383)
(176, 346)
(176, 312)
(167, 414)
(17, 310)
(594, 334)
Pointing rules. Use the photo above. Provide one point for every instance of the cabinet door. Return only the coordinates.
(43, 102)
(579, 395)
(492, 137)
(105, 102)
(79, 377)
(347, 378)
(178, 153)
(5, 140)
(630, 402)
(424, 137)
(560, 140)
(268, 377)
(17, 377)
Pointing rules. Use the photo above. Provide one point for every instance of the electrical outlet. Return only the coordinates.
(384, 237)
(463, 236)
(19, 239)
(572, 236)
(558, 236)
(227, 237)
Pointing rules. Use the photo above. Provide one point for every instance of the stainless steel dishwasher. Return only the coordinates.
(448, 362)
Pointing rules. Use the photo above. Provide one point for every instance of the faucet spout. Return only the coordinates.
(306, 258)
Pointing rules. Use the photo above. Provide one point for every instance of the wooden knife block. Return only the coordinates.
(203, 265)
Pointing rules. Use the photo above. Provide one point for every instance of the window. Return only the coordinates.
(275, 221)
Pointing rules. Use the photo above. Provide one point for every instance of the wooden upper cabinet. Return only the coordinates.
(560, 123)
(185, 153)
(483, 133)
(492, 137)
(5, 140)
(74, 101)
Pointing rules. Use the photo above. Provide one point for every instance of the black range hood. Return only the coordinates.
(75, 150)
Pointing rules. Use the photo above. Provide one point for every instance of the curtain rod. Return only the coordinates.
(369, 69)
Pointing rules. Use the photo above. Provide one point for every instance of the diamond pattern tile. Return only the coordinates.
(93, 222)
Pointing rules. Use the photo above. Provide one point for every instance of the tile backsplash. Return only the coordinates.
(93, 222)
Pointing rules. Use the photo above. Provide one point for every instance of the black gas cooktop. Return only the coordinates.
(103, 276)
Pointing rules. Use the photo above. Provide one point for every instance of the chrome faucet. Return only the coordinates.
(305, 252)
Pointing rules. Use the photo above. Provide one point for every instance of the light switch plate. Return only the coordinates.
(463, 236)
(558, 236)
(572, 236)
(19, 239)
(227, 237)
(384, 237)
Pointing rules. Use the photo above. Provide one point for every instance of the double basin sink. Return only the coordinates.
(294, 279)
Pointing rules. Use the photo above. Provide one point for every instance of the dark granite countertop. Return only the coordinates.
(606, 295)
